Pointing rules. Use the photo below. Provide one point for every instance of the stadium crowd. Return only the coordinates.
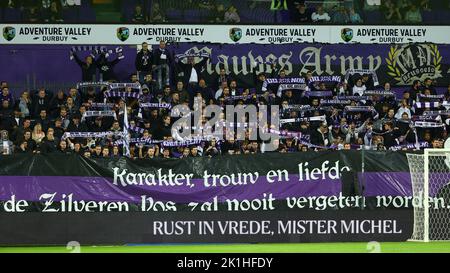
(348, 112)
(226, 11)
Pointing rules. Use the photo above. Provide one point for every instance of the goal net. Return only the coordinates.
(430, 177)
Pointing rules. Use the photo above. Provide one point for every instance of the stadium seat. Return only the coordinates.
(312, 4)
(438, 4)
(87, 14)
(429, 17)
(204, 14)
(373, 17)
(256, 15)
(245, 19)
(85, 4)
(147, 6)
(174, 15)
(283, 16)
(443, 16)
(12, 15)
(70, 15)
(127, 12)
(192, 16)
(249, 15)
(241, 6)
(130, 3)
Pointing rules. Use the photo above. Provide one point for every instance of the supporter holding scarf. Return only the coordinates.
(88, 67)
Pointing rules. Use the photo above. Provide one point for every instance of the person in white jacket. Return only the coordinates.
(404, 108)
(320, 16)
(359, 88)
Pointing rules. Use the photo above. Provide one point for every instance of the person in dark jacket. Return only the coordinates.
(6, 95)
(428, 84)
(223, 77)
(44, 120)
(88, 68)
(203, 88)
(106, 67)
(15, 121)
(415, 89)
(98, 125)
(191, 72)
(6, 114)
(144, 62)
(76, 125)
(63, 149)
(57, 127)
(49, 144)
(31, 144)
(40, 102)
(320, 136)
(57, 102)
(150, 83)
(260, 78)
(164, 130)
(390, 134)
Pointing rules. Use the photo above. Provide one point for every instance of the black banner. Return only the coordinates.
(297, 197)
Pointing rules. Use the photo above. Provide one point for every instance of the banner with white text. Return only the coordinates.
(223, 34)
(297, 197)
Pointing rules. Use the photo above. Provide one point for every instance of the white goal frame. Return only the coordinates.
(426, 191)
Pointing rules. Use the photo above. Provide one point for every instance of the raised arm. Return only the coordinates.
(116, 61)
(77, 59)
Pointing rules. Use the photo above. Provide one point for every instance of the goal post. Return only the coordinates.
(430, 178)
